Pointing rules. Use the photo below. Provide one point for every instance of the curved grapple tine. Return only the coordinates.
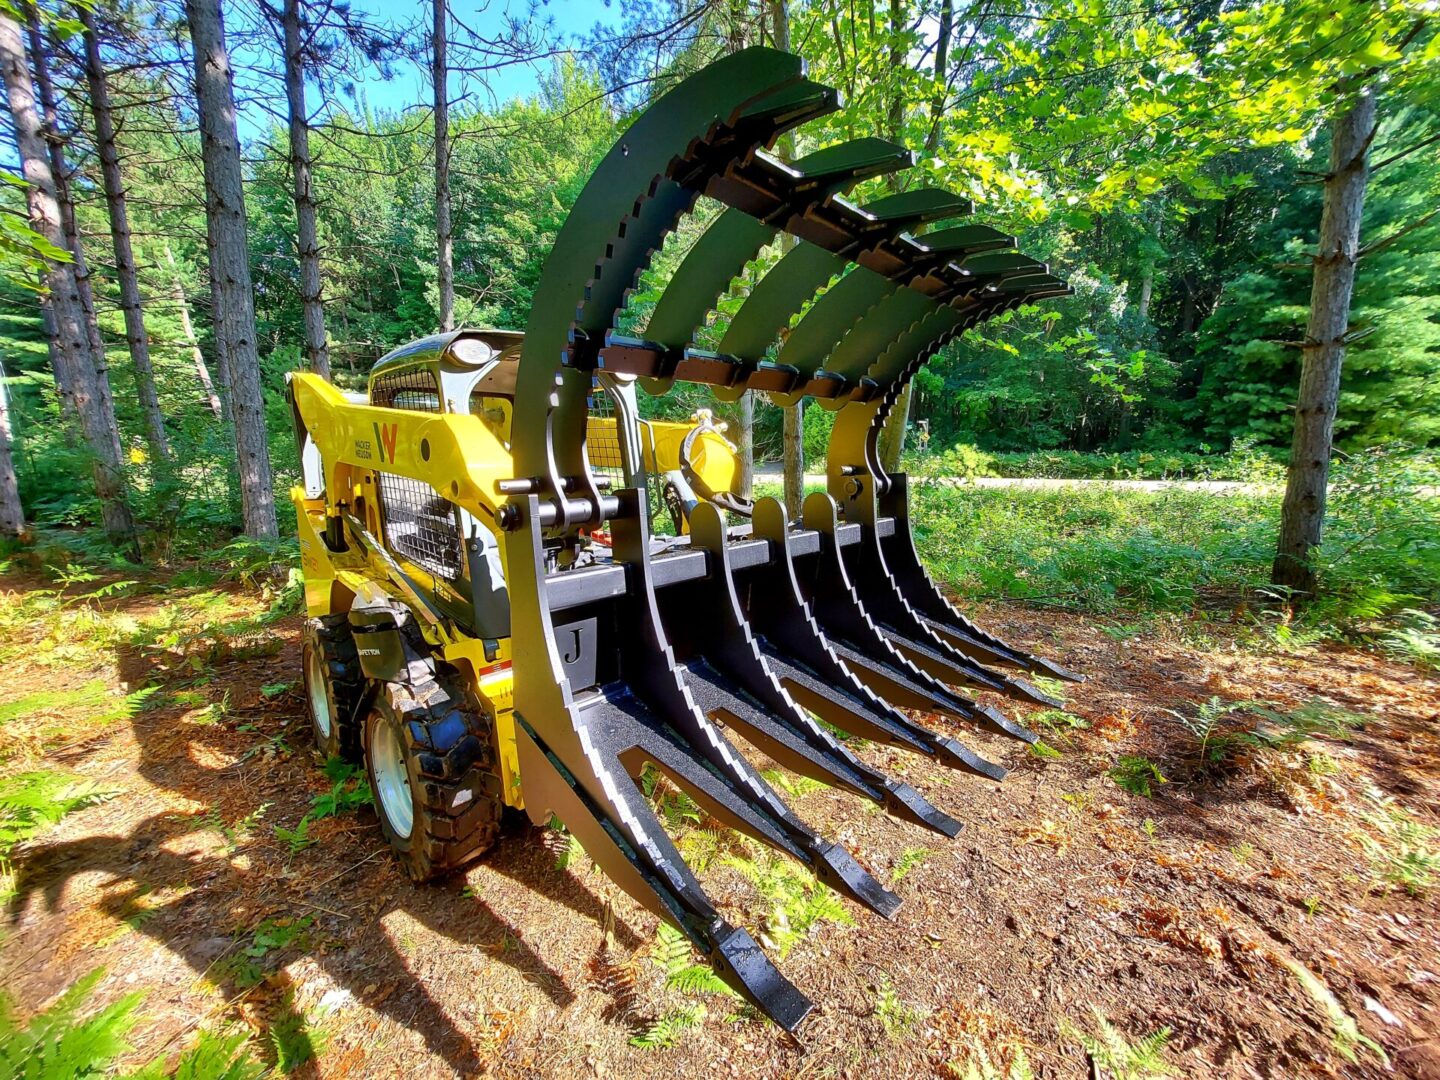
(845, 617)
(690, 749)
(776, 599)
(879, 592)
(625, 839)
(937, 612)
(764, 712)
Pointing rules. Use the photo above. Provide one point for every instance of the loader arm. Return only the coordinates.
(457, 455)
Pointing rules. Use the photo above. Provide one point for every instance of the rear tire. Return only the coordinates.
(334, 685)
(430, 757)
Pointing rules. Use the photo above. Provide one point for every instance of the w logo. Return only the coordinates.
(385, 439)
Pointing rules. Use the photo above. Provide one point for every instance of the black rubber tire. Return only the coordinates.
(327, 652)
(456, 794)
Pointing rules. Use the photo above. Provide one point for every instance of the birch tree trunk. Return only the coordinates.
(71, 343)
(202, 370)
(136, 338)
(1302, 514)
(12, 514)
(233, 299)
(444, 240)
(317, 353)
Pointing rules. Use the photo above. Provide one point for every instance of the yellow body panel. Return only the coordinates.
(462, 457)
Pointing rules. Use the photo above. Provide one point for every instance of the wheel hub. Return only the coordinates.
(319, 698)
(392, 780)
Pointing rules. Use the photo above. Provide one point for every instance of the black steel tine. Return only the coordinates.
(630, 846)
(781, 589)
(779, 727)
(880, 594)
(940, 615)
(888, 660)
(696, 754)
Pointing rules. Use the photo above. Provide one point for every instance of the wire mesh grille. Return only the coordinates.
(420, 525)
(414, 390)
(603, 442)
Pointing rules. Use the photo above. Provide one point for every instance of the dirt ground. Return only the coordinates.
(1238, 906)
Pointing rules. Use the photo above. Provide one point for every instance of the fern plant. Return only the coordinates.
(59, 1043)
(667, 1030)
(1122, 1059)
(31, 802)
(675, 957)
(215, 1056)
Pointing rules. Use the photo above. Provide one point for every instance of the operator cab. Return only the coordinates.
(463, 372)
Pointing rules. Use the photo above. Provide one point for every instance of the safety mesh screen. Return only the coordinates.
(603, 442)
(414, 390)
(420, 525)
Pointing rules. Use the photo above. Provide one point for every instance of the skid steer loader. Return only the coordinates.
(494, 623)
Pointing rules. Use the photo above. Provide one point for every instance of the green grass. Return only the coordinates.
(1105, 551)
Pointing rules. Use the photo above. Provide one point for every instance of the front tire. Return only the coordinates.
(430, 757)
(333, 686)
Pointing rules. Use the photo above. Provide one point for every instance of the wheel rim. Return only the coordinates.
(319, 699)
(391, 778)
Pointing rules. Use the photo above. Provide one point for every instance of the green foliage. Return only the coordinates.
(1103, 550)
(797, 903)
(1220, 731)
(1402, 850)
(896, 1016)
(1043, 751)
(1137, 775)
(248, 966)
(91, 704)
(675, 957)
(31, 802)
(293, 1042)
(1416, 640)
(61, 1043)
(910, 859)
(981, 1066)
(670, 1028)
(216, 1055)
(349, 790)
(238, 833)
(1119, 1057)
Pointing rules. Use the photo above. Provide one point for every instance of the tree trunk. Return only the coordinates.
(317, 353)
(135, 336)
(233, 299)
(892, 436)
(747, 445)
(443, 239)
(1147, 287)
(72, 345)
(1302, 515)
(202, 370)
(12, 514)
(85, 287)
(940, 73)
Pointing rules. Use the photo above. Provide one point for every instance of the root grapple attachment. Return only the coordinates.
(779, 631)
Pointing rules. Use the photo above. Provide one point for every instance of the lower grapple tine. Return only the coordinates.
(905, 802)
(779, 595)
(691, 749)
(939, 613)
(627, 842)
